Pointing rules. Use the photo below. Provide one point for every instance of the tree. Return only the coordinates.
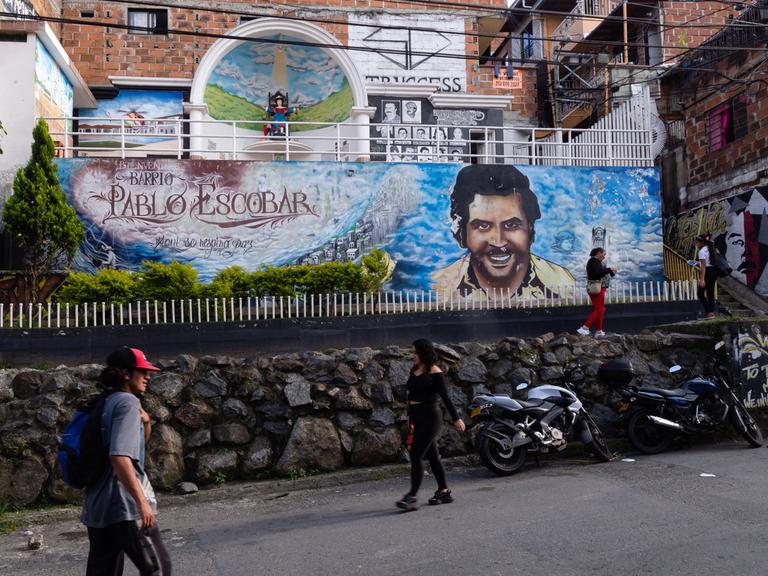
(38, 216)
(377, 269)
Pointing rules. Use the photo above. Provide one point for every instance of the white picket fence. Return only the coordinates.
(198, 311)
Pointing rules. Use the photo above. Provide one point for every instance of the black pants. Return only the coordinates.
(707, 294)
(427, 420)
(109, 546)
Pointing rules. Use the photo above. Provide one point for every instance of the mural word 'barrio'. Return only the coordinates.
(313, 82)
(447, 227)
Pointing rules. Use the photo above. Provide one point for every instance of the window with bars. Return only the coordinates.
(147, 21)
(727, 122)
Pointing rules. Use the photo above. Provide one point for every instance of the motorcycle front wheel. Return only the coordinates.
(598, 447)
(752, 434)
(499, 461)
(645, 436)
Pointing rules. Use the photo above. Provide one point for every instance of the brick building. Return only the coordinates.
(721, 113)
(715, 173)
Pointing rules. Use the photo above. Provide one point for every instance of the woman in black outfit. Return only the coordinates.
(424, 385)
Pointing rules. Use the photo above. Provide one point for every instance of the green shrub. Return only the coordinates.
(174, 281)
(232, 282)
(105, 286)
(334, 277)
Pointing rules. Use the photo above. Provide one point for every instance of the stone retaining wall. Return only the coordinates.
(220, 418)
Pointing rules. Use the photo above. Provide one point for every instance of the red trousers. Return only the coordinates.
(598, 310)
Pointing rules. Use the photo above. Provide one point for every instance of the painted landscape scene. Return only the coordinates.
(317, 87)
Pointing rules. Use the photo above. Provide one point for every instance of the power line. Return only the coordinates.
(470, 57)
(526, 11)
(596, 43)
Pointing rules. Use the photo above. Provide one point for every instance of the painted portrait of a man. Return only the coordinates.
(493, 213)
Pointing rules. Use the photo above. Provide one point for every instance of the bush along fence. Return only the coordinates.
(59, 315)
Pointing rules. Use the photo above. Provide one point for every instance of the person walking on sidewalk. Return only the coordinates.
(597, 283)
(425, 384)
(706, 262)
(120, 509)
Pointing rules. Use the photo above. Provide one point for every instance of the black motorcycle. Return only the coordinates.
(546, 420)
(654, 417)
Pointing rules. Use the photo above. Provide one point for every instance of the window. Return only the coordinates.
(527, 43)
(147, 21)
(727, 122)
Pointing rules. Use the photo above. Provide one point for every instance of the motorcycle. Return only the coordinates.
(654, 416)
(546, 420)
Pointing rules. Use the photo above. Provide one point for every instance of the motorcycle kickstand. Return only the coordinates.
(538, 461)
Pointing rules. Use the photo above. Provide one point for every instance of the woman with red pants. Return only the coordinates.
(596, 273)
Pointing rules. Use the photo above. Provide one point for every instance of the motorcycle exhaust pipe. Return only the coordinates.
(665, 422)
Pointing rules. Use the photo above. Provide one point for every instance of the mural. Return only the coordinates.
(739, 227)
(313, 83)
(150, 118)
(751, 349)
(447, 227)
(54, 97)
(404, 55)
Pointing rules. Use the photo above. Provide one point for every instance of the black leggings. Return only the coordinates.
(110, 544)
(707, 294)
(427, 420)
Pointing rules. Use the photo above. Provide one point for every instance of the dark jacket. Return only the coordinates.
(596, 270)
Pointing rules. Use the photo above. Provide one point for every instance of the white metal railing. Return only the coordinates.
(566, 30)
(87, 315)
(609, 135)
(345, 141)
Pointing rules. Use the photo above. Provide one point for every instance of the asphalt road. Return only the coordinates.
(651, 515)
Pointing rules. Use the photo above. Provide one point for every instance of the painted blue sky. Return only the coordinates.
(149, 103)
(246, 71)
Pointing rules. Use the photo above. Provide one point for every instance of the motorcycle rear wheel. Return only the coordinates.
(598, 447)
(752, 434)
(645, 436)
(499, 462)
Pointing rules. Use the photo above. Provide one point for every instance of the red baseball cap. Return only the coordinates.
(130, 358)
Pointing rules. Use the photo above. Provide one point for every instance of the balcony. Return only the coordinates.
(78, 137)
(575, 26)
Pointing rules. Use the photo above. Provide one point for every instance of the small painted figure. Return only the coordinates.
(279, 110)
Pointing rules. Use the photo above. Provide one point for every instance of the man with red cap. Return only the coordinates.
(120, 509)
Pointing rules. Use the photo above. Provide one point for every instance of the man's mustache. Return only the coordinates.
(497, 251)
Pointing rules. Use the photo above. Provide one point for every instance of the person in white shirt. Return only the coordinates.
(705, 257)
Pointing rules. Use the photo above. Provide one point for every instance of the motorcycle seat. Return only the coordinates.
(662, 391)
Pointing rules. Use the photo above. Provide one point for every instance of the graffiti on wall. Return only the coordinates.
(739, 227)
(316, 86)
(526, 229)
(751, 348)
(395, 53)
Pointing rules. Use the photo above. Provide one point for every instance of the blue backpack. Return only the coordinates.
(82, 455)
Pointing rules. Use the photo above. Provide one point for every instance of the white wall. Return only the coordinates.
(17, 108)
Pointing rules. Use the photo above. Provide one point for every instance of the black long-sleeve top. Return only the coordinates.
(425, 388)
(596, 270)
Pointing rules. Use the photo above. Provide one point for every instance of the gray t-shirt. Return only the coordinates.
(108, 501)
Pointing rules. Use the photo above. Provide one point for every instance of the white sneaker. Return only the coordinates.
(599, 334)
(583, 331)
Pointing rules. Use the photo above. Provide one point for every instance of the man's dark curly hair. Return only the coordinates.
(490, 180)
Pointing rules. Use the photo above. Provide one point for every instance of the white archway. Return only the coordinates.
(360, 113)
